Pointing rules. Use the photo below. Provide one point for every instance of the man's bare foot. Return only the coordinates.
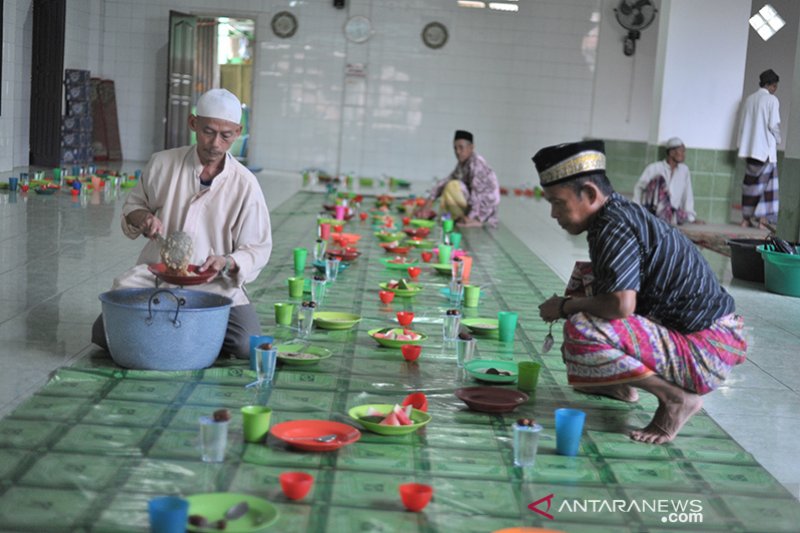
(669, 419)
(745, 223)
(625, 393)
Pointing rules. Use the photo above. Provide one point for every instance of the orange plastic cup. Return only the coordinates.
(415, 496)
(295, 485)
(417, 400)
(411, 352)
(386, 296)
(466, 261)
(404, 318)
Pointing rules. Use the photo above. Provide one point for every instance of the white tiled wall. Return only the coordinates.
(518, 82)
(15, 88)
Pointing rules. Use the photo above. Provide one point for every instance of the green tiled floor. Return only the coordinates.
(87, 451)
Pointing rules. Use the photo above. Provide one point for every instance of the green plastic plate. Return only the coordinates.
(411, 291)
(213, 505)
(420, 418)
(423, 244)
(335, 320)
(318, 352)
(477, 369)
(422, 223)
(393, 343)
(481, 326)
(387, 262)
(389, 237)
(443, 268)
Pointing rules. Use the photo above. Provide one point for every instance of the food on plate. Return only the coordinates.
(394, 284)
(298, 355)
(401, 260)
(399, 416)
(393, 334)
(496, 372)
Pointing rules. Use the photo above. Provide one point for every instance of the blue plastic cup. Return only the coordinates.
(12, 183)
(168, 514)
(255, 341)
(569, 428)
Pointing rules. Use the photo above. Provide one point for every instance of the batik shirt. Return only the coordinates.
(631, 249)
(480, 187)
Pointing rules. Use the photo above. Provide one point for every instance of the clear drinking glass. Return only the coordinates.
(457, 269)
(318, 290)
(213, 439)
(526, 442)
(451, 324)
(305, 320)
(319, 249)
(265, 364)
(456, 292)
(465, 350)
(332, 268)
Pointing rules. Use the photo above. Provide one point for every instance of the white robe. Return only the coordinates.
(678, 181)
(760, 127)
(228, 218)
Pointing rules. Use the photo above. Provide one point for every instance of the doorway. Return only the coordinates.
(207, 52)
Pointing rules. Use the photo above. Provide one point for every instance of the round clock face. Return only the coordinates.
(284, 25)
(358, 29)
(434, 35)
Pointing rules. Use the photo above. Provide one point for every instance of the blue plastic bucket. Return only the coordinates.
(164, 329)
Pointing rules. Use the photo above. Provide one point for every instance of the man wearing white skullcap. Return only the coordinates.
(665, 187)
(204, 191)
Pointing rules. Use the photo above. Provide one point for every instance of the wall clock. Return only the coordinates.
(358, 29)
(434, 35)
(284, 24)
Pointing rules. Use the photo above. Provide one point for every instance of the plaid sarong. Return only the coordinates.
(760, 191)
(657, 200)
(606, 352)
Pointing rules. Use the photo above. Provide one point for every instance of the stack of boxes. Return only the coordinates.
(76, 124)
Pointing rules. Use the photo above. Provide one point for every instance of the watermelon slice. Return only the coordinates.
(401, 415)
(403, 285)
(374, 412)
(391, 420)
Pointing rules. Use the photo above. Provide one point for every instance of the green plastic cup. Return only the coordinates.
(445, 250)
(455, 240)
(472, 294)
(300, 255)
(57, 174)
(447, 225)
(507, 323)
(255, 422)
(528, 375)
(283, 313)
(296, 287)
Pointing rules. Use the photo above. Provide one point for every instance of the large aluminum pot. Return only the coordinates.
(164, 329)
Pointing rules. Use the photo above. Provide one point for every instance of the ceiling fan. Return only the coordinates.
(634, 16)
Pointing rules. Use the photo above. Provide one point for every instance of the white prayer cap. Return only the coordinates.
(221, 104)
(674, 142)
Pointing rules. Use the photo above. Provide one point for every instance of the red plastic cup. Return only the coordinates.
(404, 318)
(386, 296)
(324, 231)
(406, 221)
(363, 216)
(417, 400)
(414, 272)
(427, 256)
(415, 496)
(295, 485)
(411, 352)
